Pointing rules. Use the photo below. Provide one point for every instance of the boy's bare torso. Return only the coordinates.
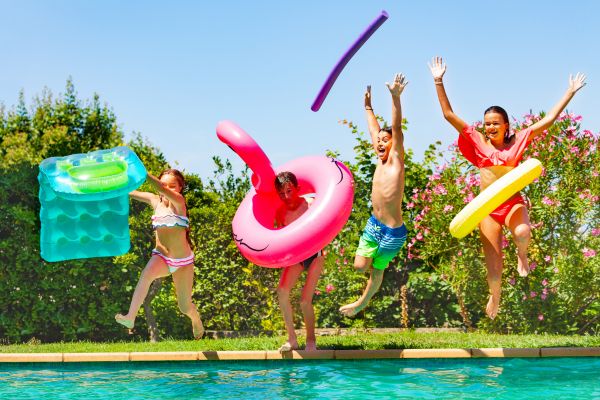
(388, 191)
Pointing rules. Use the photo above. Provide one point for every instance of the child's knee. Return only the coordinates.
(283, 292)
(305, 303)
(361, 266)
(523, 232)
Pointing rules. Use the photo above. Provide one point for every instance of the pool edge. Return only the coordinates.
(302, 355)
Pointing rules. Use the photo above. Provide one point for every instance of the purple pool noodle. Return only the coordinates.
(335, 72)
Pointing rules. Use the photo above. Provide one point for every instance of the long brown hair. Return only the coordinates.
(181, 180)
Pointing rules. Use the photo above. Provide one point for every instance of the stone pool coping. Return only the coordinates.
(301, 354)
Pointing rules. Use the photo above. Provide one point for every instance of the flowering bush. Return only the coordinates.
(562, 292)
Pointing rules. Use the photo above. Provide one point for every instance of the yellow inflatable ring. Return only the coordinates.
(493, 196)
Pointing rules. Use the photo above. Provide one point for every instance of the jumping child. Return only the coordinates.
(172, 254)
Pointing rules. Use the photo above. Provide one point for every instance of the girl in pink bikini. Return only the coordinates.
(495, 153)
(172, 254)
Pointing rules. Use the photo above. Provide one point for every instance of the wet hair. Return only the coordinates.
(285, 177)
(181, 180)
(501, 111)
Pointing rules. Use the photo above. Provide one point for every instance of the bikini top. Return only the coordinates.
(170, 220)
(473, 145)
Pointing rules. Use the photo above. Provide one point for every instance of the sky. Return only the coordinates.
(172, 70)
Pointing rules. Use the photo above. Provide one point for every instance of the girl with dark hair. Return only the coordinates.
(173, 253)
(495, 153)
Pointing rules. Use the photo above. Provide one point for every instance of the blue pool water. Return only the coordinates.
(513, 378)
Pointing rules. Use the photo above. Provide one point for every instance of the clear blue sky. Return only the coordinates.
(172, 70)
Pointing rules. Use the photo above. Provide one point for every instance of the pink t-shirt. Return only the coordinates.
(473, 145)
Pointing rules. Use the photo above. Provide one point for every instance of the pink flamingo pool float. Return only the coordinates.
(253, 224)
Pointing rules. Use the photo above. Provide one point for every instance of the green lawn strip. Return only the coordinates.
(359, 341)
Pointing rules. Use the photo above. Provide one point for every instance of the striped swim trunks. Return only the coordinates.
(380, 242)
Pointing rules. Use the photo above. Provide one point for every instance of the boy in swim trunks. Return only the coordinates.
(293, 207)
(385, 232)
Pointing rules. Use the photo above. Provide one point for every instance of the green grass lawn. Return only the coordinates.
(359, 341)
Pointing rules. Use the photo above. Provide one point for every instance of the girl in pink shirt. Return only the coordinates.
(496, 152)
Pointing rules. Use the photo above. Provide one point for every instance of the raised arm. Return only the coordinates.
(438, 68)
(396, 89)
(574, 85)
(174, 197)
(146, 197)
(374, 127)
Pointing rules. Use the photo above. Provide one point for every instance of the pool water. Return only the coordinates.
(510, 378)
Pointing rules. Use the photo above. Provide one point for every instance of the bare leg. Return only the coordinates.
(289, 276)
(156, 268)
(314, 272)
(183, 279)
(491, 238)
(518, 223)
(362, 264)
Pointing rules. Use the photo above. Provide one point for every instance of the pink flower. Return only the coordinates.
(546, 200)
(469, 198)
(434, 177)
(545, 282)
(448, 208)
(504, 242)
(329, 288)
(574, 149)
(532, 294)
(511, 281)
(547, 258)
(440, 189)
(532, 266)
(541, 317)
(555, 270)
(596, 232)
(342, 251)
(588, 252)
(459, 253)
(410, 205)
(420, 236)
(317, 292)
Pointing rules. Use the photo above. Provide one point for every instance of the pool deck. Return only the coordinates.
(301, 355)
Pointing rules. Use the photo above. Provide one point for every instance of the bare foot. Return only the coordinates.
(311, 345)
(287, 346)
(350, 310)
(198, 329)
(522, 265)
(492, 307)
(123, 320)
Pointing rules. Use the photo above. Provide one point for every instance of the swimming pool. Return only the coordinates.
(514, 378)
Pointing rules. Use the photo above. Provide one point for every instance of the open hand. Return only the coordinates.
(437, 67)
(576, 83)
(398, 85)
(368, 97)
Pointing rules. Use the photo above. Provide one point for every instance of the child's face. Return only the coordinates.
(495, 126)
(288, 193)
(171, 182)
(384, 145)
